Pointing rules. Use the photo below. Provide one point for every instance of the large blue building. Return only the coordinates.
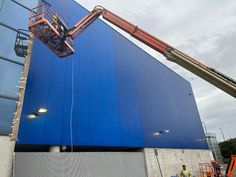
(120, 95)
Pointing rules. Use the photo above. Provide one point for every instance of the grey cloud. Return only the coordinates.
(216, 108)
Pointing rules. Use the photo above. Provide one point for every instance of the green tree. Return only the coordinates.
(228, 148)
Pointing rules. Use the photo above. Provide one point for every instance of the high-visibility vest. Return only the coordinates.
(182, 173)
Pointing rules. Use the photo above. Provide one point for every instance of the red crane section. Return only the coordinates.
(51, 29)
(133, 30)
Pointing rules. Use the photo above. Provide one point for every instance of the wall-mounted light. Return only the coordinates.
(32, 116)
(166, 131)
(157, 133)
(37, 113)
(41, 111)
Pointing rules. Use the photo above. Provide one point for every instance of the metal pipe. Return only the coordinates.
(222, 133)
(16, 30)
(12, 61)
(9, 97)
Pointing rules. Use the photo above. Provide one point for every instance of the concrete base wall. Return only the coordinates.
(168, 162)
(6, 154)
(80, 164)
(150, 163)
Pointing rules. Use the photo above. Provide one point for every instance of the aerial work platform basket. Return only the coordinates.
(51, 29)
(21, 44)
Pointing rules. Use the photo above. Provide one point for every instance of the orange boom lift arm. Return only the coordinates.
(230, 171)
(51, 29)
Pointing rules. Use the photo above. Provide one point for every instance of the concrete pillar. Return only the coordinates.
(6, 154)
(54, 149)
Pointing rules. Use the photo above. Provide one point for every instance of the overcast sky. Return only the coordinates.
(204, 29)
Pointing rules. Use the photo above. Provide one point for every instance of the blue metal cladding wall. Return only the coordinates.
(121, 94)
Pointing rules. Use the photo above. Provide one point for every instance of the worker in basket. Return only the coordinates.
(59, 26)
(184, 172)
(58, 23)
(55, 21)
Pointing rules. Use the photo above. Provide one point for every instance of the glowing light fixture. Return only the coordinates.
(32, 116)
(37, 113)
(156, 133)
(161, 132)
(41, 110)
(167, 131)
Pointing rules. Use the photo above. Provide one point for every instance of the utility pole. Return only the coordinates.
(222, 134)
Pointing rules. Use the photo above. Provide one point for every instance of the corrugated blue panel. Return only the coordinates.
(121, 94)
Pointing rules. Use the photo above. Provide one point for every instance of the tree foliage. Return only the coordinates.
(228, 148)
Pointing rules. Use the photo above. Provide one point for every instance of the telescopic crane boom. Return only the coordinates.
(51, 29)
